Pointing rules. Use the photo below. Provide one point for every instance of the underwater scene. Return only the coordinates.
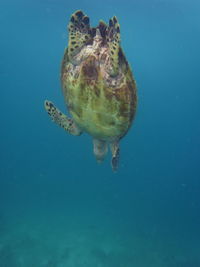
(61, 207)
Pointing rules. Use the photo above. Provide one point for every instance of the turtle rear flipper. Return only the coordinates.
(61, 119)
(79, 33)
(100, 149)
(114, 146)
(113, 40)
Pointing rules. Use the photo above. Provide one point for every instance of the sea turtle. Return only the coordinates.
(98, 86)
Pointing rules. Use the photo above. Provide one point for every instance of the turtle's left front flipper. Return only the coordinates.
(61, 119)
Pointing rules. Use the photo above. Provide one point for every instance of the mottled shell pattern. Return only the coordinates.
(98, 85)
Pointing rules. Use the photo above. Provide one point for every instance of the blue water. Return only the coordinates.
(58, 207)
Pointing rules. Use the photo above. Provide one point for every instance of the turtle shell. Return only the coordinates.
(101, 104)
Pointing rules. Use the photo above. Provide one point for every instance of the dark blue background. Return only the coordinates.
(58, 207)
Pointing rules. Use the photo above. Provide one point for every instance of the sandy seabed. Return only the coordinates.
(75, 241)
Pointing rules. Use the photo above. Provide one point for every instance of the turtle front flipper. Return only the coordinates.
(61, 119)
(113, 40)
(114, 146)
(79, 33)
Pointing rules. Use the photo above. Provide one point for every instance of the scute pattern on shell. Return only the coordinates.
(101, 104)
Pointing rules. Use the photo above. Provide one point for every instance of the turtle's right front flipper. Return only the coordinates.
(113, 40)
(61, 119)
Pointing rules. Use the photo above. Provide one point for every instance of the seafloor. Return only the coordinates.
(43, 242)
(95, 228)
